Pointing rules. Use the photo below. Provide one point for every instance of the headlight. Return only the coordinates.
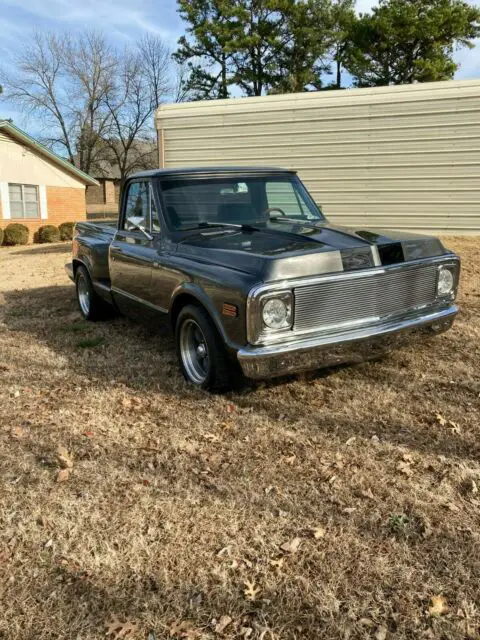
(277, 312)
(445, 282)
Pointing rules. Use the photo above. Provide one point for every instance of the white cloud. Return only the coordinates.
(119, 16)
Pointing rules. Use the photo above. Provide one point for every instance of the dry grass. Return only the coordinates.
(178, 503)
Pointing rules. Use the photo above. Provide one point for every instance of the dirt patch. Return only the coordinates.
(334, 505)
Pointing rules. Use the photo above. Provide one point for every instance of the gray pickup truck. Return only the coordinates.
(252, 277)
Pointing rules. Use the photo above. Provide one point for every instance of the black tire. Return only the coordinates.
(216, 371)
(91, 305)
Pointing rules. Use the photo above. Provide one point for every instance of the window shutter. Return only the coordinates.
(5, 200)
(42, 191)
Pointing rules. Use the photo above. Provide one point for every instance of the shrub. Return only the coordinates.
(15, 233)
(48, 233)
(1, 237)
(66, 230)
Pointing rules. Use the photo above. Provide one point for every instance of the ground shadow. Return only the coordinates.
(51, 316)
(65, 247)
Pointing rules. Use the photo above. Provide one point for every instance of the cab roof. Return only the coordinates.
(212, 172)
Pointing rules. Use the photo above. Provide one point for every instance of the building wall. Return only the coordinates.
(61, 196)
(102, 201)
(404, 157)
(21, 164)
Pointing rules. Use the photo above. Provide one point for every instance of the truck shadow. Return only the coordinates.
(143, 358)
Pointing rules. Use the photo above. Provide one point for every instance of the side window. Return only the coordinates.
(137, 206)
(283, 196)
(155, 225)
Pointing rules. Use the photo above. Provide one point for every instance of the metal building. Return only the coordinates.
(404, 157)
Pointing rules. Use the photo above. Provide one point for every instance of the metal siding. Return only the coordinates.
(400, 157)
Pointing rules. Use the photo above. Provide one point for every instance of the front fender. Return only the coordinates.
(194, 291)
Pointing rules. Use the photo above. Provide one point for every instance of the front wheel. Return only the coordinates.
(201, 353)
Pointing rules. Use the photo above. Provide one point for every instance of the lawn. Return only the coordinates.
(339, 505)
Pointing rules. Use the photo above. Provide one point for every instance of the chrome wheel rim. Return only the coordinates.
(194, 352)
(83, 292)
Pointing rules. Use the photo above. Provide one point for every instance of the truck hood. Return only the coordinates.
(291, 250)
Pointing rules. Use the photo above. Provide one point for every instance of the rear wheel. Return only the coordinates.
(201, 353)
(91, 305)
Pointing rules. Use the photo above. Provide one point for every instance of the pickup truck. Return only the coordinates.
(252, 277)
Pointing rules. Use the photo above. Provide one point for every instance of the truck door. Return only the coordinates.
(133, 251)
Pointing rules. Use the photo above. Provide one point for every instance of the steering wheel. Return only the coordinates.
(270, 209)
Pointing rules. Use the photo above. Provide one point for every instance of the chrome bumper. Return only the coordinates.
(352, 346)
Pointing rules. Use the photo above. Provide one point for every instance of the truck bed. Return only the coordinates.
(90, 245)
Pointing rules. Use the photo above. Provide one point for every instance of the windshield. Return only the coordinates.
(237, 201)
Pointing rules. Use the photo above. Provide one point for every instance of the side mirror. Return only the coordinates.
(140, 227)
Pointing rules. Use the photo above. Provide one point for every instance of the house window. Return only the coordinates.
(23, 201)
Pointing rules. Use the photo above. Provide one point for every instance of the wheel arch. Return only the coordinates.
(194, 295)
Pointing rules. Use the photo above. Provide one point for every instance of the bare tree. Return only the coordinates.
(131, 103)
(155, 63)
(90, 65)
(180, 91)
(96, 104)
(63, 81)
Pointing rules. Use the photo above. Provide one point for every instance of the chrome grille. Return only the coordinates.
(363, 299)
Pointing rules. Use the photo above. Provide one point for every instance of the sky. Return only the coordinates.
(124, 21)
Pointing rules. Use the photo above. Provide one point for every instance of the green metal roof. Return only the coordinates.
(27, 140)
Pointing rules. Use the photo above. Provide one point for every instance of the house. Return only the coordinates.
(403, 157)
(102, 199)
(37, 187)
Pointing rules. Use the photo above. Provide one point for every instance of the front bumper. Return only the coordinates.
(351, 346)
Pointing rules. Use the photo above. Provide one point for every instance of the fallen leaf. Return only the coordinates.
(63, 475)
(48, 544)
(367, 493)
(64, 458)
(211, 437)
(118, 629)
(455, 428)
(350, 510)
(440, 419)
(405, 468)
(366, 622)
(231, 408)
(18, 433)
(450, 506)
(318, 532)
(278, 563)
(251, 590)
(438, 606)
(350, 441)
(381, 633)
(291, 546)
(223, 624)
(88, 434)
(180, 629)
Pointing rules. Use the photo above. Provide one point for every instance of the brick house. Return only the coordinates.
(102, 199)
(37, 187)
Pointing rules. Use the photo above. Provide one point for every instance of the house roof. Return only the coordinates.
(22, 137)
(142, 156)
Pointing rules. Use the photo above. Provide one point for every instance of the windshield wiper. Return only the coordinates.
(228, 225)
(281, 219)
